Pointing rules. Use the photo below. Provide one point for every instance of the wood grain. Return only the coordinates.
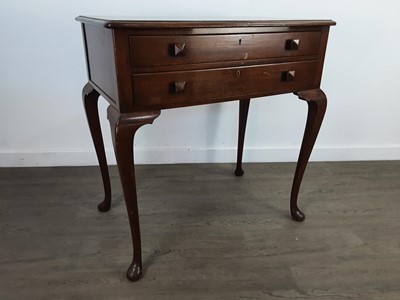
(153, 50)
(152, 90)
(112, 22)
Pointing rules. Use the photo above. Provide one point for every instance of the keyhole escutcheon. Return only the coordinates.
(237, 73)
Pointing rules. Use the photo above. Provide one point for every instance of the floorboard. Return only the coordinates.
(206, 234)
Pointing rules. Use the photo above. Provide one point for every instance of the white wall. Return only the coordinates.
(42, 71)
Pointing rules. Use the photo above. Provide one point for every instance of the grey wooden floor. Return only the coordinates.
(205, 233)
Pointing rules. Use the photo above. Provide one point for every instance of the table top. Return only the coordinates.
(130, 22)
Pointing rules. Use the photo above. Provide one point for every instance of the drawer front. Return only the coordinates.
(169, 89)
(147, 51)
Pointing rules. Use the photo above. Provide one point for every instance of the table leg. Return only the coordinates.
(243, 112)
(123, 129)
(316, 101)
(90, 100)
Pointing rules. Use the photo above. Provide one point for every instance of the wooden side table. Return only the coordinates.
(143, 67)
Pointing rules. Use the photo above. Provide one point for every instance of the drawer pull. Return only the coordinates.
(292, 44)
(177, 49)
(177, 87)
(288, 76)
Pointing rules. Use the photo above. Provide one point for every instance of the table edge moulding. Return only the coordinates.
(142, 67)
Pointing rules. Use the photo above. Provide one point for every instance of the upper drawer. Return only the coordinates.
(147, 51)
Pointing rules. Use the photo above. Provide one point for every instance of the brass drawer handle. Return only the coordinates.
(177, 87)
(288, 76)
(177, 49)
(292, 44)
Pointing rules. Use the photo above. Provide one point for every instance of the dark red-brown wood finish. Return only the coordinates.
(243, 113)
(143, 67)
(90, 99)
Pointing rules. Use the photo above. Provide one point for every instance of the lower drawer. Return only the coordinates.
(169, 89)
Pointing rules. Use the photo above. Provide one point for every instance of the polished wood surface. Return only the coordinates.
(243, 113)
(129, 23)
(90, 101)
(123, 129)
(156, 50)
(316, 101)
(143, 67)
(152, 90)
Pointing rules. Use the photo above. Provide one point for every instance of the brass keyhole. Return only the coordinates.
(237, 73)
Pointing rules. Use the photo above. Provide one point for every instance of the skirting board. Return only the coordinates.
(185, 155)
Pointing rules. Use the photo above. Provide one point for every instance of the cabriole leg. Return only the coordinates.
(243, 112)
(123, 129)
(316, 101)
(90, 100)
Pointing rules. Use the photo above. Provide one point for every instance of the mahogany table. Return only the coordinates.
(142, 67)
